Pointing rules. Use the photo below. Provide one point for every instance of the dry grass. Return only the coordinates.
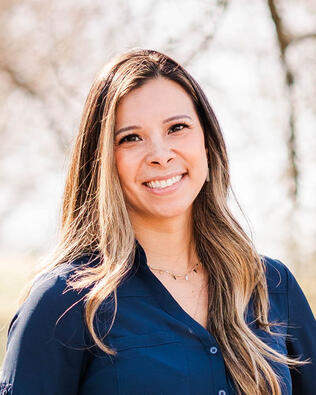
(16, 270)
(306, 277)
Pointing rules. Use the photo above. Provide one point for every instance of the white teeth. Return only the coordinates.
(163, 183)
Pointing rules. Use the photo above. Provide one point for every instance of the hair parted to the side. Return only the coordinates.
(95, 219)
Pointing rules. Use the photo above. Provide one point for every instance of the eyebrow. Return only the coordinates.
(132, 127)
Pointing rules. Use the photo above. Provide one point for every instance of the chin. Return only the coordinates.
(170, 212)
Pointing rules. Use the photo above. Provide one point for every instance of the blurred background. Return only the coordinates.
(254, 59)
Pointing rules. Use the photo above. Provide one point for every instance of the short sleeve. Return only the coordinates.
(45, 351)
(301, 338)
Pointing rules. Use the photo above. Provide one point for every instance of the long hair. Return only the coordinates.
(95, 220)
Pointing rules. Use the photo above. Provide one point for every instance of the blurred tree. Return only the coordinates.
(49, 53)
(285, 39)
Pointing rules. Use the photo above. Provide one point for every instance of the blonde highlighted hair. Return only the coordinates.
(95, 220)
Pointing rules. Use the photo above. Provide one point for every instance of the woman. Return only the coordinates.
(154, 287)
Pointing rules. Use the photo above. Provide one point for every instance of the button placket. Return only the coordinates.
(213, 350)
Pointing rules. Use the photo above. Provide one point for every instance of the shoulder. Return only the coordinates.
(48, 335)
(277, 274)
(51, 278)
(280, 280)
(52, 285)
(52, 305)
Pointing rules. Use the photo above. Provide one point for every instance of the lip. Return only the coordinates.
(167, 190)
(161, 178)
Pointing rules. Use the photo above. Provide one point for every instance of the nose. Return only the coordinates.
(160, 153)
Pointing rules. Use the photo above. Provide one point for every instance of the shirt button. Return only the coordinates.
(213, 350)
(221, 392)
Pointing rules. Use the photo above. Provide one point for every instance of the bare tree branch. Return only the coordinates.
(206, 38)
(17, 80)
(303, 37)
(284, 39)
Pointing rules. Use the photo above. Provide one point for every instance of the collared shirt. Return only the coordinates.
(160, 348)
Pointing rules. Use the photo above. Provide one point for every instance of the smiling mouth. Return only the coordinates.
(164, 183)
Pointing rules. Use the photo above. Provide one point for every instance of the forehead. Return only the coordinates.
(157, 98)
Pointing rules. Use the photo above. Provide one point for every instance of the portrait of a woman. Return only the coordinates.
(154, 287)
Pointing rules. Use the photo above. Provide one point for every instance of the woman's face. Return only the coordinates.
(161, 158)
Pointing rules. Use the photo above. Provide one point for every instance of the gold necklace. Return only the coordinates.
(177, 275)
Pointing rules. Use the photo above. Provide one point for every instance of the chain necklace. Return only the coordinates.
(187, 278)
(186, 275)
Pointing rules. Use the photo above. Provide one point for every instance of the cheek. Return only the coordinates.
(127, 163)
(121, 161)
(194, 150)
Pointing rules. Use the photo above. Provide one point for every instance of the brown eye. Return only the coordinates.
(130, 138)
(175, 128)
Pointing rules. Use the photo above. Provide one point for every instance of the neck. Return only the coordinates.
(168, 243)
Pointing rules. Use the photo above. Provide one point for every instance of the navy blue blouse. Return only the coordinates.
(161, 349)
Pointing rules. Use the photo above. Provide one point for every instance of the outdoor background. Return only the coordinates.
(256, 62)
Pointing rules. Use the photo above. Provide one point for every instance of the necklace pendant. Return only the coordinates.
(186, 277)
(174, 277)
